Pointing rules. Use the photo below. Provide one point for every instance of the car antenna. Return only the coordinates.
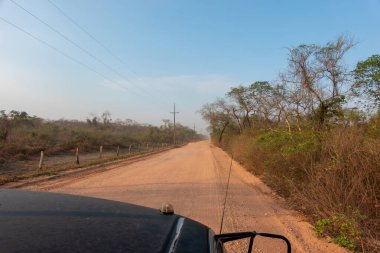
(225, 198)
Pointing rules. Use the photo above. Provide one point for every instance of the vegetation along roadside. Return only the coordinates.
(68, 144)
(313, 135)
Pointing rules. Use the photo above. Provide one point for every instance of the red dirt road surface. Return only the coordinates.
(193, 178)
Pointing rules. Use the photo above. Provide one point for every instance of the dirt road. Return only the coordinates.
(193, 178)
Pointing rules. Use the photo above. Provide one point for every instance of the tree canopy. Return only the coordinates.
(367, 78)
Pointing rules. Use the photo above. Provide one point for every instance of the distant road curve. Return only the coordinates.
(193, 178)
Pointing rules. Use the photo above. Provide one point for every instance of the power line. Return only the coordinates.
(71, 41)
(98, 42)
(60, 52)
(82, 49)
(88, 34)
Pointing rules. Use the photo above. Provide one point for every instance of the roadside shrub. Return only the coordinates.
(288, 158)
(27, 137)
(342, 230)
(246, 151)
(346, 181)
(333, 173)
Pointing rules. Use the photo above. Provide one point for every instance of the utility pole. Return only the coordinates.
(174, 112)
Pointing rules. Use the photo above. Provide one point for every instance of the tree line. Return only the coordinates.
(313, 135)
(317, 89)
(22, 135)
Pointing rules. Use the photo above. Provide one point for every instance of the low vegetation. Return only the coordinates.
(313, 136)
(23, 136)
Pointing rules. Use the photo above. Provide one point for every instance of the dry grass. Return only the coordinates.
(345, 183)
(13, 171)
(333, 176)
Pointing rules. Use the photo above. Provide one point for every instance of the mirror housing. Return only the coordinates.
(223, 238)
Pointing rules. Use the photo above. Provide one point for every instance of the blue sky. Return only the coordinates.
(188, 52)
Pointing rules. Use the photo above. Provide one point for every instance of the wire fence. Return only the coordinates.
(47, 163)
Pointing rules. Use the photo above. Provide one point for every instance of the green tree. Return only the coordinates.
(243, 105)
(4, 126)
(367, 79)
(260, 94)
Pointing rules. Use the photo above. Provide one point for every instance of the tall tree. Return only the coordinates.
(303, 70)
(321, 71)
(330, 61)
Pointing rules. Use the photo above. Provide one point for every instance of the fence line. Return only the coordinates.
(104, 152)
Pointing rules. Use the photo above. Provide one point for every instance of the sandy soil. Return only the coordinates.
(193, 178)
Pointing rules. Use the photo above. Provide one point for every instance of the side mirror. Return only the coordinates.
(223, 238)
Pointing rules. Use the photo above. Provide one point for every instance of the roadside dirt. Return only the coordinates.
(193, 178)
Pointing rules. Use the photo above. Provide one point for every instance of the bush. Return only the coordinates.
(330, 173)
(343, 230)
(27, 137)
(288, 158)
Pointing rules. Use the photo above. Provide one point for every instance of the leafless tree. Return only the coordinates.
(330, 61)
(218, 114)
(321, 71)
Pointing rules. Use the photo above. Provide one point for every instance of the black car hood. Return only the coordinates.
(48, 222)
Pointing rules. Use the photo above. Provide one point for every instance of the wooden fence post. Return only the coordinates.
(100, 151)
(117, 151)
(77, 155)
(41, 160)
(147, 146)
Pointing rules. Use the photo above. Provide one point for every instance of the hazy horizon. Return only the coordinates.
(136, 59)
